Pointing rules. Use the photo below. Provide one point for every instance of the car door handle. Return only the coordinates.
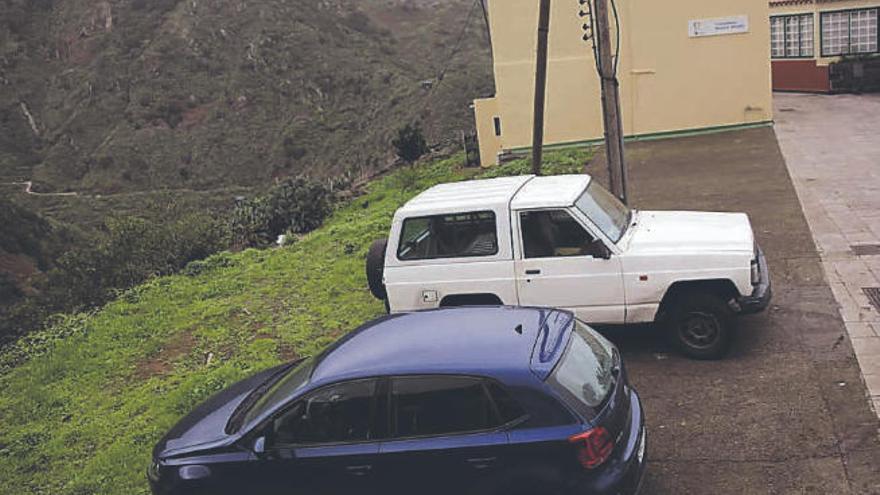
(362, 470)
(533, 272)
(482, 462)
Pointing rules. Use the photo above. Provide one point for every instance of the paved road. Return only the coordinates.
(786, 411)
(832, 149)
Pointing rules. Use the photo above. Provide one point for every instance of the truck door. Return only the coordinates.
(560, 265)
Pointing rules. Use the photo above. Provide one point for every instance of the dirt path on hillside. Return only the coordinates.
(28, 189)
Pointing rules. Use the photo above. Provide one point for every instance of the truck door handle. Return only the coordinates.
(533, 272)
(482, 462)
(359, 470)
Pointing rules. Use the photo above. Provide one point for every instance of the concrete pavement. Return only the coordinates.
(786, 411)
(832, 149)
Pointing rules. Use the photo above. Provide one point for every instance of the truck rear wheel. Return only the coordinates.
(376, 269)
(701, 326)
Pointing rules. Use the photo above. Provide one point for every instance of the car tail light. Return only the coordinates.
(756, 266)
(594, 447)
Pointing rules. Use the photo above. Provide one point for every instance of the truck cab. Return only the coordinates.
(566, 242)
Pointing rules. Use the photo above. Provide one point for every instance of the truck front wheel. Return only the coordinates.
(701, 326)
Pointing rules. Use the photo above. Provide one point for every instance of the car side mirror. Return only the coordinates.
(599, 250)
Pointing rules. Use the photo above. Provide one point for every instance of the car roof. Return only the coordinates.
(472, 195)
(557, 191)
(484, 341)
(520, 192)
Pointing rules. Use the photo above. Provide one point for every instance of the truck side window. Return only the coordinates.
(552, 234)
(458, 235)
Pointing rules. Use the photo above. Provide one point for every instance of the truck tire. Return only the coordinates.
(376, 269)
(701, 325)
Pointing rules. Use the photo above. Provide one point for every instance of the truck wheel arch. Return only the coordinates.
(456, 300)
(723, 288)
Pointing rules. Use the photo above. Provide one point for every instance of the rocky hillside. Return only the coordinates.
(134, 95)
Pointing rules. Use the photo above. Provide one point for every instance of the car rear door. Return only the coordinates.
(445, 436)
(454, 258)
(556, 267)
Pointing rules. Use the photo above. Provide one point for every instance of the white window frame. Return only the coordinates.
(802, 21)
(847, 45)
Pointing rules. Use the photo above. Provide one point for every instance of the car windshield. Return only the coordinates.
(281, 390)
(585, 373)
(606, 211)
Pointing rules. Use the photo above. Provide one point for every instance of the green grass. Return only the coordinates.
(83, 403)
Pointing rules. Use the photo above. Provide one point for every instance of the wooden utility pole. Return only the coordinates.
(610, 102)
(540, 87)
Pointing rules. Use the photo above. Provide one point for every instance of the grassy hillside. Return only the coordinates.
(84, 402)
(137, 95)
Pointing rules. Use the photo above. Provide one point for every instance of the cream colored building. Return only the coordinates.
(687, 65)
(807, 36)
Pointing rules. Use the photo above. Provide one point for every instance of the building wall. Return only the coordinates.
(490, 144)
(669, 81)
(809, 74)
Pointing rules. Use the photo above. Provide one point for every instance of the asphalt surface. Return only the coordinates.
(786, 411)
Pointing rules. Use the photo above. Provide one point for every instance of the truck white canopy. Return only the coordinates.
(522, 192)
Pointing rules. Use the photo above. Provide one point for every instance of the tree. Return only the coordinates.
(410, 143)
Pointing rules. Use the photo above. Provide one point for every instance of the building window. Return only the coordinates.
(497, 126)
(849, 31)
(791, 36)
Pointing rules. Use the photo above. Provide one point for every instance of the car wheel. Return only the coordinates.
(702, 326)
(376, 269)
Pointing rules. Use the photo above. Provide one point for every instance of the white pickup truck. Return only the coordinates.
(566, 242)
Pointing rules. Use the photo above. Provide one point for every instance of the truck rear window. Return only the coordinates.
(458, 235)
(585, 374)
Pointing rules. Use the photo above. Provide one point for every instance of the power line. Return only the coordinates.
(457, 45)
(455, 49)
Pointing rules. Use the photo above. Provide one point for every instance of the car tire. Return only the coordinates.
(701, 326)
(376, 269)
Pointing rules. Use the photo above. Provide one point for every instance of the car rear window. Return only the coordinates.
(458, 235)
(585, 374)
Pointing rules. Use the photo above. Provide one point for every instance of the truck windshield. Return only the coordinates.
(606, 211)
(585, 373)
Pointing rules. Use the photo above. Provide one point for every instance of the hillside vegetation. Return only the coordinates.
(84, 401)
(137, 95)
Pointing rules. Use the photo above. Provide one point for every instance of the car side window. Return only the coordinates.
(457, 235)
(508, 408)
(439, 405)
(339, 413)
(552, 234)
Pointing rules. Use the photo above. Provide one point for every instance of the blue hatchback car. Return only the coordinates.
(471, 400)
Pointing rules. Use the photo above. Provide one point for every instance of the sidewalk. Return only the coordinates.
(832, 150)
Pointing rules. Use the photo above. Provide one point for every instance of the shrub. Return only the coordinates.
(297, 205)
(132, 251)
(410, 143)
